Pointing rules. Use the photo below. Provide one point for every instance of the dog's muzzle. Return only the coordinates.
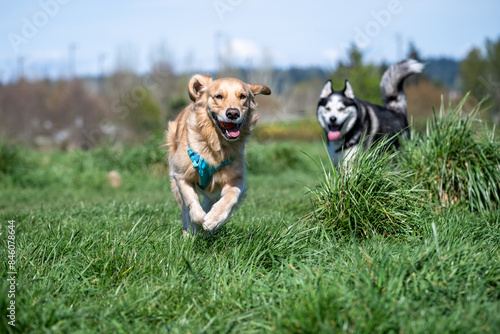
(231, 129)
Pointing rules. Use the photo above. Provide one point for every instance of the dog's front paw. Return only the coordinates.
(214, 218)
(197, 215)
(211, 222)
(210, 225)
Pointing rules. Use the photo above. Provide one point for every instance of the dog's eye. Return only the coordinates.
(243, 96)
(218, 97)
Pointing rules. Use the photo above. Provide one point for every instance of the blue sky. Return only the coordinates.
(192, 33)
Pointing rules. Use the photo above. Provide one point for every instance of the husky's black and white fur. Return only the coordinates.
(347, 120)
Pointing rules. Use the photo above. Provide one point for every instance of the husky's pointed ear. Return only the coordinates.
(259, 89)
(327, 90)
(348, 92)
(197, 84)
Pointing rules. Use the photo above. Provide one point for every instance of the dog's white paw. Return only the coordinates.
(215, 218)
(210, 224)
(212, 221)
(197, 215)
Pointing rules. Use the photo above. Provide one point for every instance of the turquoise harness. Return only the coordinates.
(204, 169)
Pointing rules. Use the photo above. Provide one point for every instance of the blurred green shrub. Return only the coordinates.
(274, 158)
(303, 130)
(10, 157)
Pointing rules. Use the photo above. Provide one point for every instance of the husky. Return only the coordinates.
(348, 121)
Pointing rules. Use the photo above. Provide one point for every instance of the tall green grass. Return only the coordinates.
(370, 195)
(92, 258)
(457, 159)
(455, 163)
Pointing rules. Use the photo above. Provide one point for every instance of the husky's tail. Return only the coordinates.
(391, 85)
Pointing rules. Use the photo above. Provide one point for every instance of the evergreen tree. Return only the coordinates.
(471, 68)
(364, 78)
(480, 74)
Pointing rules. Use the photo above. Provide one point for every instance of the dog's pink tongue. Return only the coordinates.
(333, 135)
(234, 132)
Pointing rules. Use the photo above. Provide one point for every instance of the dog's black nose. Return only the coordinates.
(333, 119)
(232, 113)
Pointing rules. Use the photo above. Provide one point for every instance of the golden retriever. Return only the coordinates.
(206, 149)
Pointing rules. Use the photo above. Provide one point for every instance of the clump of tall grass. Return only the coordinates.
(457, 159)
(370, 196)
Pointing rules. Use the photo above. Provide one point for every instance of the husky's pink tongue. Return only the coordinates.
(333, 135)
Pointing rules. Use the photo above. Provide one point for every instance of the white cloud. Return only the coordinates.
(332, 55)
(241, 50)
(49, 55)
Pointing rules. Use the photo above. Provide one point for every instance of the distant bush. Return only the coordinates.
(176, 105)
(274, 158)
(145, 113)
(303, 130)
(421, 98)
(138, 157)
(457, 159)
(21, 166)
(142, 157)
(368, 197)
(90, 168)
(10, 158)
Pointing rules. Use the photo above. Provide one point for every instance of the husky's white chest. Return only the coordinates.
(338, 154)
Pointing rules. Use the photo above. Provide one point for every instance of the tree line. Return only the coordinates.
(126, 106)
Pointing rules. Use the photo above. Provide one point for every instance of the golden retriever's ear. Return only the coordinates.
(259, 89)
(197, 85)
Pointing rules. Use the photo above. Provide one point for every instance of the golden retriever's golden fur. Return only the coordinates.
(215, 126)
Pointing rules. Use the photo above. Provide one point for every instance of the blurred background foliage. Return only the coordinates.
(124, 106)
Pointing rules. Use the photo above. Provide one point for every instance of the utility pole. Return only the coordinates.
(72, 61)
(100, 64)
(399, 47)
(217, 47)
(20, 68)
(100, 68)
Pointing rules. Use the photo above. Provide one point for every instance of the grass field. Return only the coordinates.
(94, 258)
